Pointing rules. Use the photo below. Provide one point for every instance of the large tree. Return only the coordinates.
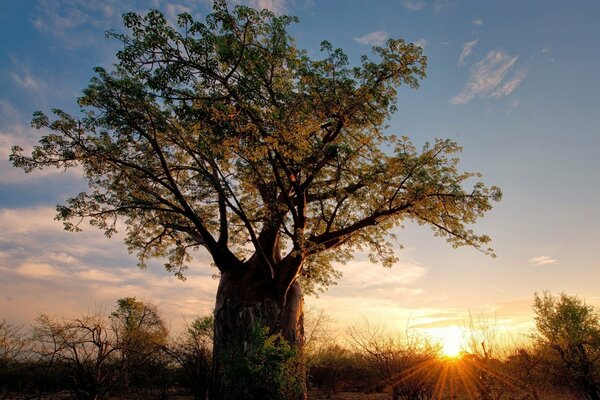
(223, 135)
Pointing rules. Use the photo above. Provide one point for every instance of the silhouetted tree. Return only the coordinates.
(192, 351)
(15, 350)
(406, 366)
(224, 135)
(85, 346)
(570, 328)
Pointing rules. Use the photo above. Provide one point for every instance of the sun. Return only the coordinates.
(450, 338)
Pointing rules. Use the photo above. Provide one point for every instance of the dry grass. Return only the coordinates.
(349, 396)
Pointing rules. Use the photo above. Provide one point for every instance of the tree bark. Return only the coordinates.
(245, 302)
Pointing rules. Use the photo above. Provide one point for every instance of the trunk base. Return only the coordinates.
(258, 341)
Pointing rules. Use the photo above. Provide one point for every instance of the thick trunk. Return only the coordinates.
(248, 306)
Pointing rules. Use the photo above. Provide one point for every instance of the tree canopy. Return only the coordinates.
(224, 135)
(570, 329)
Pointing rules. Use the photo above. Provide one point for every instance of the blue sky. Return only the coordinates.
(515, 83)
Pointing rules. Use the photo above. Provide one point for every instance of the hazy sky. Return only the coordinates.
(516, 83)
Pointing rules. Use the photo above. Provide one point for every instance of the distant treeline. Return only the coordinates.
(129, 354)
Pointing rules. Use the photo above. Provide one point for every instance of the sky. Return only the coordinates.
(516, 84)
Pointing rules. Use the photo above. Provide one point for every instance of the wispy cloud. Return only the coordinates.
(547, 54)
(492, 77)
(477, 22)
(372, 281)
(69, 273)
(440, 5)
(277, 6)
(60, 19)
(25, 79)
(421, 43)
(467, 50)
(15, 133)
(374, 38)
(513, 104)
(543, 260)
(39, 270)
(413, 5)
(172, 10)
(22, 76)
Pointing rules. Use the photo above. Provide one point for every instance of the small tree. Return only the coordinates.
(317, 330)
(571, 330)
(14, 344)
(85, 346)
(193, 352)
(14, 352)
(141, 333)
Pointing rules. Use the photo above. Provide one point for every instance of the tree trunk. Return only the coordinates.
(247, 303)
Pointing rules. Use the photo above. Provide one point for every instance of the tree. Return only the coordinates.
(192, 351)
(140, 333)
(15, 349)
(85, 346)
(13, 343)
(570, 328)
(223, 135)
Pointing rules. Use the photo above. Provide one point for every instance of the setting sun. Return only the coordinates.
(450, 339)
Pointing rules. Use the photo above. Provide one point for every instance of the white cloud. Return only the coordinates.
(22, 76)
(374, 38)
(467, 50)
(421, 43)
(375, 282)
(440, 5)
(277, 6)
(78, 23)
(477, 22)
(511, 84)
(39, 271)
(547, 54)
(543, 260)
(46, 270)
(514, 103)
(491, 77)
(61, 19)
(57, 18)
(17, 134)
(413, 5)
(172, 10)
(25, 79)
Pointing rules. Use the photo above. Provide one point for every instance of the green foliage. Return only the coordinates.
(141, 334)
(566, 321)
(139, 324)
(570, 329)
(224, 135)
(267, 369)
(201, 330)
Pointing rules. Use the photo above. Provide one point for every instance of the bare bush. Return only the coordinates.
(86, 347)
(403, 365)
(14, 352)
(192, 352)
